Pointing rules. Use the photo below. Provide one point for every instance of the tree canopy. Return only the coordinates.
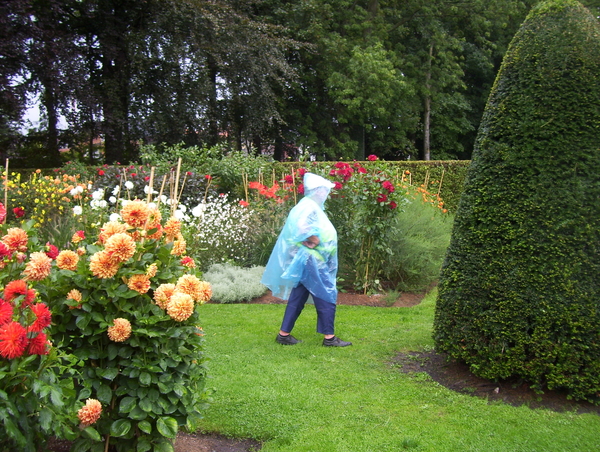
(334, 78)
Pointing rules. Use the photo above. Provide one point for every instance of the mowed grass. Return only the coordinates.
(310, 398)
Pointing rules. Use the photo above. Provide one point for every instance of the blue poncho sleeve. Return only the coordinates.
(292, 263)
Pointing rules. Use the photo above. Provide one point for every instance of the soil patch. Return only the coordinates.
(457, 377)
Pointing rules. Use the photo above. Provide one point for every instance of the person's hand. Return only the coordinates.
(311, 242)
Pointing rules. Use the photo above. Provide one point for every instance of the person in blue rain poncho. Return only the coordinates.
(304, 262)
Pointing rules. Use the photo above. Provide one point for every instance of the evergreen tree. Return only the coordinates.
(519, 292)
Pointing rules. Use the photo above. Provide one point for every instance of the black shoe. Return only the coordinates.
(286, 340)
(335, 342)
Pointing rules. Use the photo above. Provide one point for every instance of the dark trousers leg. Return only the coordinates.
(294, 307)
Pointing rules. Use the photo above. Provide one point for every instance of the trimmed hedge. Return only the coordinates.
(519, 288)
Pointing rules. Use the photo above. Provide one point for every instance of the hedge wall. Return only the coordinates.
(519, 289)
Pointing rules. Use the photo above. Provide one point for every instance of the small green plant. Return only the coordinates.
(231, 284)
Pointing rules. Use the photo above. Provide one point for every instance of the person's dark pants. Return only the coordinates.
(295, 305)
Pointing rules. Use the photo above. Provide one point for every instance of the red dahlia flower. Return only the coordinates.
(13, 340)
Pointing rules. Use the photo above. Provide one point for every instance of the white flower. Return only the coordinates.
(179, 214)
(77, 190)
(152, 205)
(163, 199)
(128, 185)
(182, 207)
(116, 190)
(77, 210)
(112, 200)
(147, 190)
(198, 211)
(98, 194)
(114, 217)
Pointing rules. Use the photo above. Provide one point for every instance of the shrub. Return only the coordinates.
(519, 287)
(418, 237)
(36, 380)
(231, 284)
(125, 304)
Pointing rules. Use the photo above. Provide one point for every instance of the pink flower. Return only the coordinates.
(301, 189)
(393, 205)
(338, 185)
(208, 177)
(381, 198)
(2, 213)
(387, 185)
(243, 203)
(289, 179)
(301, 172)
(100, 172)
(362, 170)
(372, 158)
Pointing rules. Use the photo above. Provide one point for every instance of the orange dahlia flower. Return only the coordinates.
(103, 266)
(180, 307)
(163, 294)
(90, 412)
(136, 213)
(172, 228)
(16, 239)
(38, 267)
(199, 290)
(120, 247)
(179, 246)
(120, 331)
(67, 260)
(139, 283)
(151, 271)
(109, 229)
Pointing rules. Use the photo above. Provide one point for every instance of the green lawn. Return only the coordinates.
(316, 399)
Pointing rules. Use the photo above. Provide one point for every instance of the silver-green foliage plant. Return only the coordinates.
(232, 284)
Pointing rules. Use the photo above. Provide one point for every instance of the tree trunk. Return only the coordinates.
(427, 110)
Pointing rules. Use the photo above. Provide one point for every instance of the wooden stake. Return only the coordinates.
(6, 189)
(441, 180)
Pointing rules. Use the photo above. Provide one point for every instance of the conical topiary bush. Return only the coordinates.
(519, 289)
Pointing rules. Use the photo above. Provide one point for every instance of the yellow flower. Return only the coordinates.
(180, 307)
(67, 260)
(120, 331)
(38, 267)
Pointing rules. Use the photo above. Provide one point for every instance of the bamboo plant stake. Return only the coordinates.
(174, 204)
(5, 189)
(441, 180)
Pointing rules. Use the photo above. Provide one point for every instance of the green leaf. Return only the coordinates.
(164, 447)
(83, 321)
(110, 373)
(146, 405)
(91, 433)
(120, 427)
(167, 426)
(104, 394)
(145, 427)
(143, 445)
(127, 404)
(145, 378)
(45, 418)
(138, 414)
(57, 397)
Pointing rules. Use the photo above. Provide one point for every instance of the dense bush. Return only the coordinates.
(519, 291)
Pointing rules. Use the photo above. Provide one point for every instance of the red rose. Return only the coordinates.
(100, 173)
(393, 205)
(19, 212)
(372, 158)
(381, 198)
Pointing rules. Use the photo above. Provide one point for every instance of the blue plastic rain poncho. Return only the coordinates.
(291, 262)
